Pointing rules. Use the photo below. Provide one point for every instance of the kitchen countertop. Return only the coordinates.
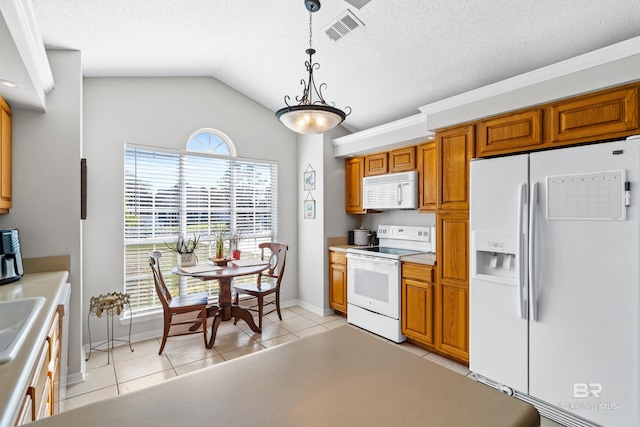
(15, 375)
(343, 248)
(425, 258)
(384, 385)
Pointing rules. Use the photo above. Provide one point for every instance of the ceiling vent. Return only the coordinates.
(345, 23)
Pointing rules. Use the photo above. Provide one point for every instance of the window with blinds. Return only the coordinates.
(177, 193)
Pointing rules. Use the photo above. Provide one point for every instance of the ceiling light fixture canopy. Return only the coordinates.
(311, 116)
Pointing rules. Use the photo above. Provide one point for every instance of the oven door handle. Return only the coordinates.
(377, 260)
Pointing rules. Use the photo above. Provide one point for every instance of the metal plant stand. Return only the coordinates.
(109, 305)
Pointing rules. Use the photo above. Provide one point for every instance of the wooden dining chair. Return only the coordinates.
(178, 305)
(268, 281)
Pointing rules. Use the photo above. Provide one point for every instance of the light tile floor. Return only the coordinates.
(129, 371)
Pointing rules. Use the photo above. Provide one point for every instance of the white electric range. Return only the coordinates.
(373, 278)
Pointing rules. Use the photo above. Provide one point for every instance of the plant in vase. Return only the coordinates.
(219, 236)
(234, 242)
(185, 248)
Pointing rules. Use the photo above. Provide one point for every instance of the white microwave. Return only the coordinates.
(390, 191)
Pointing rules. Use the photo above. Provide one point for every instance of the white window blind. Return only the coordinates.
(174, 193)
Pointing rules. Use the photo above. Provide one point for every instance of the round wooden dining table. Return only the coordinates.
(225, 310)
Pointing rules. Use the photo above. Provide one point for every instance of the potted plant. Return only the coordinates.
(234, 242)
(185, 248)
(219, 235)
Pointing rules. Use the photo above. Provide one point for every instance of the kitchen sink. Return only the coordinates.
(16, 319)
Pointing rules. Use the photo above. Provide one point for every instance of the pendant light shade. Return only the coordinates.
(311, 116)
(310, 119)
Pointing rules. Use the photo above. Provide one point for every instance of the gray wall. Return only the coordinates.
(46, 183)
(163, 112)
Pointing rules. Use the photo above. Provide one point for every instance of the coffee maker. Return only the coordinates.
(10, 256)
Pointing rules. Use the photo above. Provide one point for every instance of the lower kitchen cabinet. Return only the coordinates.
(338, 281)
(454, 321)
(417, 302)
(452, 284)
(43, 393)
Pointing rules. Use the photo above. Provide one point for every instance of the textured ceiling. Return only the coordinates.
(407, 54)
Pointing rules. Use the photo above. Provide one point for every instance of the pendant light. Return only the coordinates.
(311, 116)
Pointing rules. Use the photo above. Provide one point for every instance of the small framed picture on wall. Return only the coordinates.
(310, 180)
(309, 209)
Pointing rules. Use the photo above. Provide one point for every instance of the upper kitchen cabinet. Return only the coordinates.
(5, 156)
(510, 133)
(402, 159)
(354, 172)
(376, 164)
(605, 114)
(428, 170)
(455, 149)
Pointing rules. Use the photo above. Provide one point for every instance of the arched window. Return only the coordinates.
(211, 141)
(204, 191)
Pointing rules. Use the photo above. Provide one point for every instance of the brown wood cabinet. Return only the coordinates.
(452, 284)
(43, 394)
(509, 133)
(417, 302)
(608, 114)
(54, 338)
(455, 148)
(5, 157)
(376, 164)
(354, 172)
(338, 281)
(402, 159)
(428, 176)
(604, 114)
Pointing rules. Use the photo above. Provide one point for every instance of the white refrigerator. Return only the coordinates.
(555, 279)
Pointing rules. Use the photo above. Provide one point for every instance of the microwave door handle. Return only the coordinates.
(399, 194)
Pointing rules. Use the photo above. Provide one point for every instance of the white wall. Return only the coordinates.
(163, 112)
(311, 231)
(46, 183)
(316, 151)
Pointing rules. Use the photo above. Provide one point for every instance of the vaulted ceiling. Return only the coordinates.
(403, 55)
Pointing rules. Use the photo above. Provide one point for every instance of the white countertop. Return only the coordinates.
(425, 258)
(15, 375)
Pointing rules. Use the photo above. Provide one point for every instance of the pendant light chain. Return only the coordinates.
(310, 117)
(310, 30)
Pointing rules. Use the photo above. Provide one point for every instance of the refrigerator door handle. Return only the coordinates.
(521, 266)
(532, 229)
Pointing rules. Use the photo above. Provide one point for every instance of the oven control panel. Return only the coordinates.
(409, 232)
